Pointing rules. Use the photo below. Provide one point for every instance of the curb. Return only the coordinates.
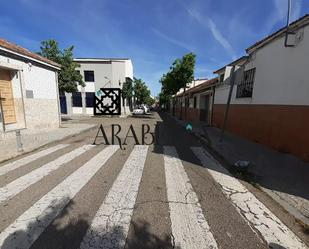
(49, 143)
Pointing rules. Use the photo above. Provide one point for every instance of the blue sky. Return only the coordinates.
(153, 33)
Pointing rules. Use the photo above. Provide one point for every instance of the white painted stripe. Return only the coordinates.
(23, 182)
(254, 211)
(111, 223)
(28, 227)
(189, 226)
(28, 159)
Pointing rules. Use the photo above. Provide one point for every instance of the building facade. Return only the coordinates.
(195, 104)
(28, 91)
(97, 73)
(270, 102)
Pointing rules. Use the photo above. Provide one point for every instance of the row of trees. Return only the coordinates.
(69, 78)
(180, 74)
(137, 90)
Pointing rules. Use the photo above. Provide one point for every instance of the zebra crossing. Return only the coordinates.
(117, 208)
(28, 159)
(34, 176)
(189, 226)
(110, 225)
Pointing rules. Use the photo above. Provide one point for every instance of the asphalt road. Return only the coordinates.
(169, 194)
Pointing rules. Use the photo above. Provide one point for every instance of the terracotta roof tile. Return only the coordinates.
(17, 49)
(200, 87)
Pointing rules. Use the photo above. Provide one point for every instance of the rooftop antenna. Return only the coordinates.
(288, 32)
(289, 11)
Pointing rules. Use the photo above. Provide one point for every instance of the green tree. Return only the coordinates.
(69, 77)
(180, 74)
(127, 91)
(150, 100)
(141, 91)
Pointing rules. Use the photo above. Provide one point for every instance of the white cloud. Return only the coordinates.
(280, 15)
(219, 37)
(296, 9)
(210, 24)
(282, 9)
(172, 40)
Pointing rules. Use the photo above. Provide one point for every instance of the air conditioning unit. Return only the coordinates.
(290, 39)
(238, 74)
(227, 75)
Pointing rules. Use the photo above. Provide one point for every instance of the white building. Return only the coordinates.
(97, 73)
(270, 103)
(29, 98)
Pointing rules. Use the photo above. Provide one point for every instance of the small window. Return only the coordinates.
(89, 99)
(221, 78)
(194, 102)
(245, 88)
(89, 76)
(77, 99)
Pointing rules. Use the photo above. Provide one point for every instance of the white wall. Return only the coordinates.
(41, 111)
(38, 79)
(106, 74)
(129, 69)
(118, 73)
(115, 71)
(281, 76)
(101, 70)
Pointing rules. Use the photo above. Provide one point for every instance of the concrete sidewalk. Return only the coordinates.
(32, 141)
(282, 176)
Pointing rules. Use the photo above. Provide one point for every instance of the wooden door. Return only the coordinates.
(7, 100)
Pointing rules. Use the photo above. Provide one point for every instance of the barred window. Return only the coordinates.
(245, 88)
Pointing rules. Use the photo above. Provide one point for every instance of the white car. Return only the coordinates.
(146, 109)
(138, 111)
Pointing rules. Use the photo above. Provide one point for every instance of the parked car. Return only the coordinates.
(138, 110)
(141, 110)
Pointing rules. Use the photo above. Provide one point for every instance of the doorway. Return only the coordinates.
(205, 108)
(6, 97)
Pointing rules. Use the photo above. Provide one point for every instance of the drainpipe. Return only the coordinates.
(22, 83)
(1, 114)
(287, 26)
(212, 104)
(58, 100)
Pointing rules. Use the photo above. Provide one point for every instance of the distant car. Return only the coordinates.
(141, 110)
(146, 109)
(138, 111)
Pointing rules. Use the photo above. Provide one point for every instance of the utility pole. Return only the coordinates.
(232, 83)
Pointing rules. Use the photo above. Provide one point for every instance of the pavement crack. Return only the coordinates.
(172, 240)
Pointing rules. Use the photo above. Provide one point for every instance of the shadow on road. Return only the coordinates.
(68, 234)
